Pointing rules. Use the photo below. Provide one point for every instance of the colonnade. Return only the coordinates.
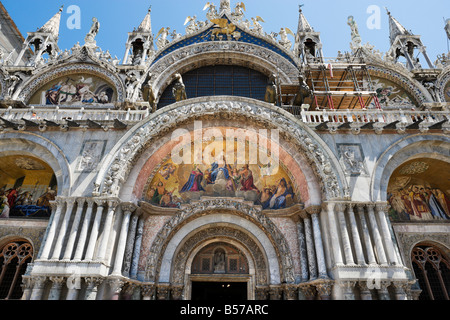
(95, 243)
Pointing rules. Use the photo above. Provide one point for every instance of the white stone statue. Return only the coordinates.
(238, 13)
(356, 38)
(284, 41)
(212, 11)
(90, 37)
(192, 24)
(162, 37)
(256, 25)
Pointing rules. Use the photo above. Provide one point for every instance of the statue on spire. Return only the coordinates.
(90, 37)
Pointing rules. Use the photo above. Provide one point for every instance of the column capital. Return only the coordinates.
(99, 202)
(90, 201)
(313, 210)
(57, 281)
(128, 207)
(148, 290)
(382, 206)
(93, 281)
(80, 201)
(116, 284)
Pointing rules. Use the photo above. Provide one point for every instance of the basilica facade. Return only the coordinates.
(225, 162)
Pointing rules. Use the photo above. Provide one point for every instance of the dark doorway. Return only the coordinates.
(219, 291)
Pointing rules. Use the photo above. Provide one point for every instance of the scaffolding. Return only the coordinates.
(336, 83)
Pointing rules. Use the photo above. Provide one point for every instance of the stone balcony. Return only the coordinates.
(376, 120)
(65, 118)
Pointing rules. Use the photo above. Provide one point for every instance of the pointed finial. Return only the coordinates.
(300, 7)
(387, 10)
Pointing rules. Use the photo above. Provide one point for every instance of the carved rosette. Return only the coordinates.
(263, 114)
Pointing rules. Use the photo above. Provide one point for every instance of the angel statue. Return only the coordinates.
(239, 11)
(356, 38)
(212, 11)
(162, 41)
(179, 89)
(256, 24)
(192, 27)
(285, 42)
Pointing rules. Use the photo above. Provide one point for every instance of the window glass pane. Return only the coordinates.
(220, 80)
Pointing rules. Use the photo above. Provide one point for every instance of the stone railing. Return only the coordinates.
(377, 120)
(60, 114)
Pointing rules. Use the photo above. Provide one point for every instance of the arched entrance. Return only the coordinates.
(220, 271)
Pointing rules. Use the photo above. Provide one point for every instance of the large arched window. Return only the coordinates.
(14, 258)
(432, 269)
(220, 80)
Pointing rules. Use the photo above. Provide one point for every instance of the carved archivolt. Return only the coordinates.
(211, 206)
(179, 266)
(125, 154)
(32, 85)
(237, 53)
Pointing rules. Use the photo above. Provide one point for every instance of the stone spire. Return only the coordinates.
(146, 24)
(303, 24)
(308, 46)
(404, 44)
(139, 45)
(52, 25)
(395, 28)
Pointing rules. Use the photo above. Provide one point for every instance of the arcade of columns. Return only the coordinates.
(356, 235)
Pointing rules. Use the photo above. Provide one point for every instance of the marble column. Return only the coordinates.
(355, 235)
(302, 248)
(376, 235)
(334, 235)
(318, 244)
(137, 247)
(310, 250)
(74, 230)
(84, 230)
(112, 205)
(38, 287)
(95, 229)
(92, 284)
(130, 243)
(52, 232)
(385, 233)
(127, 209)
(55, 291)
(344, 234)
(365, 234)
(63, 228)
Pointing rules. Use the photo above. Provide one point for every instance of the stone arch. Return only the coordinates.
(42, 148)
(28, 88)
(415, 146)
(402, 79)
(123, 156)
(443, 82)
(258, 274)
(213, 53)
(233, 217)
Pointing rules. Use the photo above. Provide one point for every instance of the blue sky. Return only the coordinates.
(118, 17)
